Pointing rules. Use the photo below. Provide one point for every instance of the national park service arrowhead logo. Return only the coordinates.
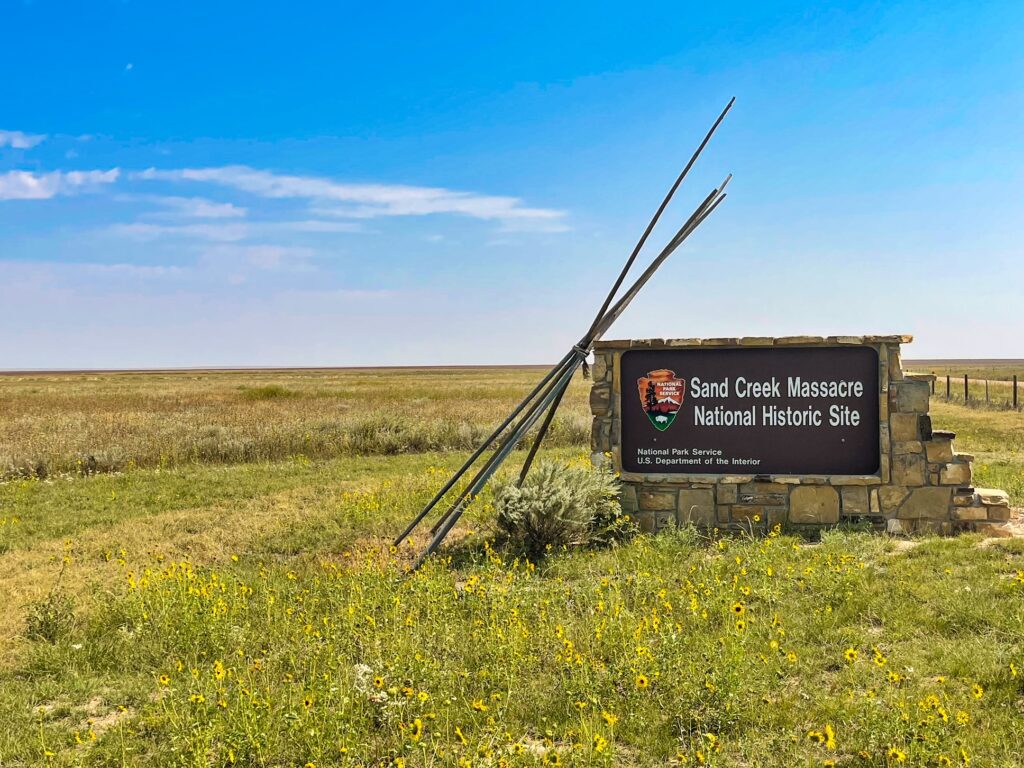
(661, 395)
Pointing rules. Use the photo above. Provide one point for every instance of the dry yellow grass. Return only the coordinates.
(103, 421)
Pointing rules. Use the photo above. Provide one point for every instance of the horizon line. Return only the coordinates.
(443, 366)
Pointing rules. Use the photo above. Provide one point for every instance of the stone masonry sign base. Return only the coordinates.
(922, 485)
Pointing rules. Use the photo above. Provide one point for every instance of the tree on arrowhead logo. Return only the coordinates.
(661, 395)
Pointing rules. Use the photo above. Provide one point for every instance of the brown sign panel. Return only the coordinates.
(763, 410)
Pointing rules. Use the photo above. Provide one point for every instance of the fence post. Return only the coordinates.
(986, 390)
(966, 394)
(947, 386)
(1015, 390)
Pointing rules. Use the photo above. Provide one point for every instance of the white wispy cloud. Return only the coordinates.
(344, 200)
(25, 185)
(20, 140)
(307, 225)
(343, 294)
(144, 230)
(197, 207)
(226, 231)
(259, 256)
(132, 270)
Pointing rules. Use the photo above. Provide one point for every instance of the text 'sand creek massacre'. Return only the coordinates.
(750, 411)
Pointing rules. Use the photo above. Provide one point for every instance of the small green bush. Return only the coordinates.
(559, 506)
(50, 618)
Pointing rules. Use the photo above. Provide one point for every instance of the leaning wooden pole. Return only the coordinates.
(448, 520)
(711, 202)
(547, 394)
(603, 323)
(485, 474)
(539, 437)
(657, 215)
(481, 449)
(511, 440)
(706, 206)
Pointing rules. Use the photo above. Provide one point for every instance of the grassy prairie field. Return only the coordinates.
(216, 587)
(111, 421)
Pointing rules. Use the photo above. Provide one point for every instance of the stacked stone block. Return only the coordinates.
(923, 484)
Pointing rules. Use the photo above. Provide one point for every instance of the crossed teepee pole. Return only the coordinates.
(545, 398)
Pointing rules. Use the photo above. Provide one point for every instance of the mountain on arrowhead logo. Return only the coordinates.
(661, 395)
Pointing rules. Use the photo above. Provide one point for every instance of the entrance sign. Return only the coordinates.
(792, 431)
(761, 410)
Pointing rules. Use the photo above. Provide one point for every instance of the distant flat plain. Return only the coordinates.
(997, 369)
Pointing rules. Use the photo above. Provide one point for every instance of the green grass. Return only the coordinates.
(280, 572)
(990, 382)
(68, 506)
(275, 663)
(995, 438)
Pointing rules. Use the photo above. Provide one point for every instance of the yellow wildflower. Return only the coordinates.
(896, 756)
(830, 736)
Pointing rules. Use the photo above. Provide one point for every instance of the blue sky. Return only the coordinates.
(396, 183)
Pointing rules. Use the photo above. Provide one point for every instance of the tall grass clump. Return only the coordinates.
(268, 392)
(52, 617)
(559, 506)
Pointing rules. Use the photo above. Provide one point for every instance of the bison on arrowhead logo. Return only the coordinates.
(661, 395)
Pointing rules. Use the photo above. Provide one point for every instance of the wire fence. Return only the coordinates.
(968, 390)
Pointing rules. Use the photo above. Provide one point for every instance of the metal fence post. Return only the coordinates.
(966, 393)
(947, 386)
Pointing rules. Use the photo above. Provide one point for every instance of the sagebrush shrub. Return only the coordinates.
(559, 506)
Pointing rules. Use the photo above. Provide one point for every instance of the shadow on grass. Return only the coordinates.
(471, 551)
